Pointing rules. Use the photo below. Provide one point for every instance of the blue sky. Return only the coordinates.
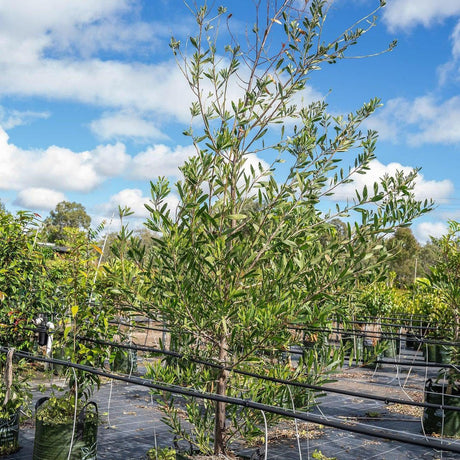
(92, 104)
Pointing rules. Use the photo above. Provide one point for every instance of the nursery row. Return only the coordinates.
(47, 424)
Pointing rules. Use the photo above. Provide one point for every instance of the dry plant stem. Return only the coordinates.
(8, 375)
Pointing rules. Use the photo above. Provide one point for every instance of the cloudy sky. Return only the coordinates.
(92, 104)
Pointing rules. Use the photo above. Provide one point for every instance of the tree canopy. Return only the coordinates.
(405, 248)
(66, 214)
(247, 254)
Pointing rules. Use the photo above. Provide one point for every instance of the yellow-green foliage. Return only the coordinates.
(379, 299)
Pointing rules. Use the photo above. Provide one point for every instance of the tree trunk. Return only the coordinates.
(219, 430)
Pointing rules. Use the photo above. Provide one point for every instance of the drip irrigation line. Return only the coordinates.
(358, 333)
(428, 328)
(398, 316)
(383, 433)
(368, 334)
(319, 388)
(294, 352)
(337, 330)
(380, 335)
(416, 364)
(435, 342)
(293, 327)
(137, 326)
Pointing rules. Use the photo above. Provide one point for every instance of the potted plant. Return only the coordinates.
(445, 281)
(14, 396)
(67, 420)
(65, 424)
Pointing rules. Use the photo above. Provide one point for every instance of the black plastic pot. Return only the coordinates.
(353, 345)
(9, 434)
(411, 341)
(430, 351)
(370, 357)
(42, 337)
(392, 349)
(444, 422)
(438, 353)
(53, 440)
(443, 354)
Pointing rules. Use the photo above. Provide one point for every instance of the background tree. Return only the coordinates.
(231, 279)
(66, 214)
(428, 256)
(405, 249)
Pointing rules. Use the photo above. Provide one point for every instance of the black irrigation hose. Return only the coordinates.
(386, 335)
(337, 330)
(428, 328)
(435, 342)
(136, 326)
(355, 332)
(379, 335)
(431, 443)
(398, 316)
(294, 352)
(401, 316)
(323, 389)
(417, 364)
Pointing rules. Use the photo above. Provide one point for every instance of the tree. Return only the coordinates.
(230, 278)
(445, 279)
(405, 249)
(24, 287)
(66, 214)
(428, 256)
(122, 280)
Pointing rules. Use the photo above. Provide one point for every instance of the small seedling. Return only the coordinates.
(318, 455)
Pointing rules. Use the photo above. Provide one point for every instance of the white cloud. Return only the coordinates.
(55, 168)
(110, 160)
(159, 160)
(51, 52)
(160, 89)
(134, 199)
(452, 67)
(46, 52)
(423, 120)
(425, 230)
(38, 59)
(440, 191)
(39, 198)
(405, 14)
(11, 118)
(455, 37)
(131, 198)
(125, 125)
(252, 160)
(62, 169)
(109, 35)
